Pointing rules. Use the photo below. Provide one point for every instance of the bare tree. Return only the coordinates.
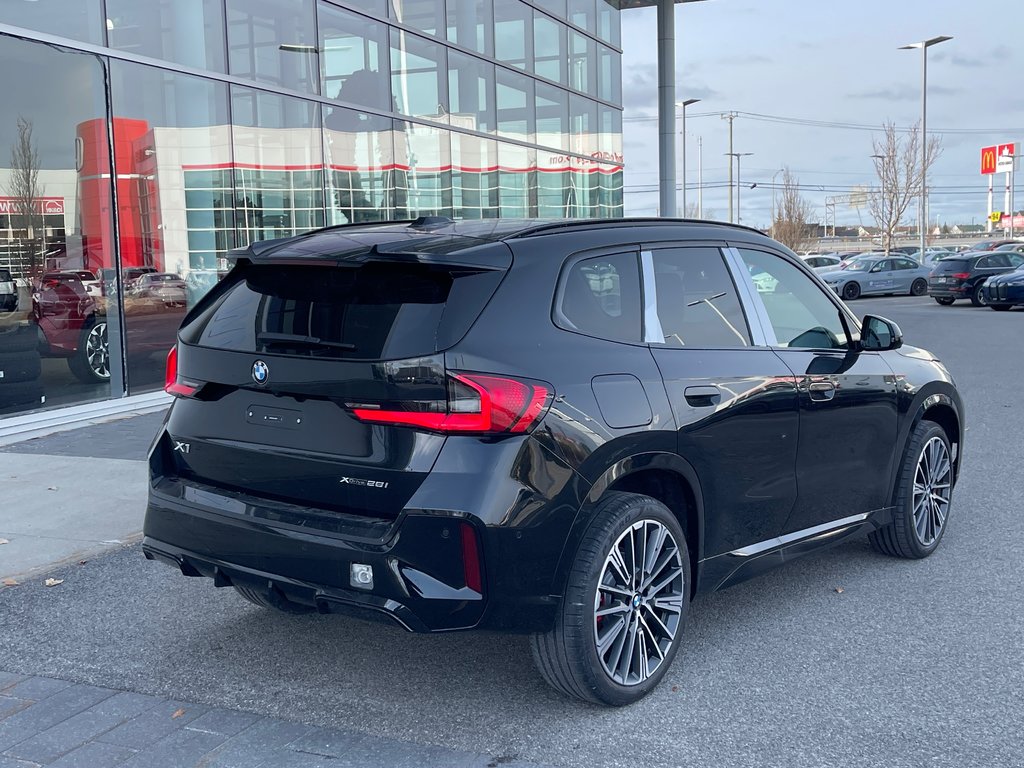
(900, 175)
(24, 187)
(792, 226)
(693, 212)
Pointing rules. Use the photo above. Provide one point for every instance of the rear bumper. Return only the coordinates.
(949, 291)
(419, 578)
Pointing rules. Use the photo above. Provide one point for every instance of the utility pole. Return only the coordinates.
(739, 182)
(730, 117)
(700, 177)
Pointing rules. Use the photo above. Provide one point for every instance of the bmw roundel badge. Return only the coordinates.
(260, 372)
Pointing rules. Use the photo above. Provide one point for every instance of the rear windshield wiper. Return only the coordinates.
(267, 337)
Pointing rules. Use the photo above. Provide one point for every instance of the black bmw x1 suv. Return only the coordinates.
(566, 429)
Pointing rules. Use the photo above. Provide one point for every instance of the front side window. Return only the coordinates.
(601, 297)
(800, 312)
(697, 302)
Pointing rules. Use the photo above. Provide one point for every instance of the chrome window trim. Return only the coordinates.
(653, 332)
(761, 331)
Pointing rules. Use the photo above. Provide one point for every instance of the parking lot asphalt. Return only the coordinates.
(844, 658)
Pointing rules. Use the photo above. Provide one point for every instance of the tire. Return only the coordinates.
(264, 599)
(567, 655)
(1000, 307)
(946, 301)
(21, 393)
(851, 291)
(91, 361)
(24, 339)
(911, 536)
(19, 366)
(977, 296)
(919, 287)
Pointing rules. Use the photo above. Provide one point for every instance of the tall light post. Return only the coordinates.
(700, 177)
(883, 208)
(924, 45)
(781, 170)
(683, 105)
(739, 179)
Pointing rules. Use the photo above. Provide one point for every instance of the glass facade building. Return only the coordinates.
(147, 138)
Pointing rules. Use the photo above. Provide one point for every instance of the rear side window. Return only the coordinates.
(697, 302)
(373, 312)
(601, 297)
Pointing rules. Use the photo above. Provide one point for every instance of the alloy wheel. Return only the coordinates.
(638, 602)
(97, 351)
(932, 488)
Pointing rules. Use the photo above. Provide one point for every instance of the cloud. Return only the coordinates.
(745, 60)
(904, 93)
(640, 88)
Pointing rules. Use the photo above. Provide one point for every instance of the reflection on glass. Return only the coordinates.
(609, 23)
(361, 183)
(550, 45)
(471, 24)
(609, 75)
(278, 164)
(515, 105)
(609, 137)
(474, 177)
(582, 124)
(273, 41)
(55, 231)
(582, 62)
(513, 33)
(77, 19)
(552, 116)
(354, 56)
(424, 15)
(554, 7)
(471, 88)
(423, 163)
(517, 179)
(419, 76)
(583, 13)
(187, 32)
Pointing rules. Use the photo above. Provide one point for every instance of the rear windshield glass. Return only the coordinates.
(373, 312)
(953, 265)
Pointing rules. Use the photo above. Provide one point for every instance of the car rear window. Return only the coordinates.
(378, 311)
(953, 265)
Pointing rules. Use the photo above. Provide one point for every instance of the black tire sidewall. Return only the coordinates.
(904, 512)
(944, 301)
(851, 291)
(918, 282)
(582, 585)
(79, 364)
(977, 296)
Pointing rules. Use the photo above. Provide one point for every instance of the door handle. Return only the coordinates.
(822, 390)
(703, 397)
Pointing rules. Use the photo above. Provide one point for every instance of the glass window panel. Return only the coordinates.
(172, 137)
(583, 13)
(554, 7)
(471, 89)
(552, 187)
(56, 243)
(376, 7)
(602, 297)
(610, 200)
(513, 33)
(419, 76)
(609, 137)
(471, 24)
(424, 15)
(582, 124)
(609, 75)
(515, 105)
(354, 57)
(187, 32)
(274, 41)
(550, 44)
(361, 182)
(552, 116)
(582, 62)
(77, 19)
(474, 177)
(517, 181)
(423, 164)
(609, 24)
(278, 162)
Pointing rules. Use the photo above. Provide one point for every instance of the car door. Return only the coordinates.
(904, 272)
(734, 400)
(880, 278)
(848, 416)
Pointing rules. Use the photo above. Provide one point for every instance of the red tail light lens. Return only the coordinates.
(471, 559)
(477, 403)
(961, 275)
(173, 384)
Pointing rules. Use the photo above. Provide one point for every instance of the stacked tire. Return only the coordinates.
(20, 368)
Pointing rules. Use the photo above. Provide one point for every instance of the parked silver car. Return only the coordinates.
(878, 275)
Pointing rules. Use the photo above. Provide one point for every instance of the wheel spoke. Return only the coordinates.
(672, 576)
(615, 591)
(654, 641)
(605, 641)
(671, 604)
(630, 644)
(617, 562)
(613, 610)
(660, 624)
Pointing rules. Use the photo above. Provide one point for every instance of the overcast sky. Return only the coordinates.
(827, 61)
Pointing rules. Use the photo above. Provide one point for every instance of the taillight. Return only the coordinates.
(961, 275)
(174, 384)
(476, 403)
(471, 558)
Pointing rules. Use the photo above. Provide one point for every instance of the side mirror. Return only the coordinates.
(878, 334)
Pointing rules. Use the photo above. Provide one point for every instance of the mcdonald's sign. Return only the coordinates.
(989, 158)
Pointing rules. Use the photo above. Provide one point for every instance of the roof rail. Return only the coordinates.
(569, 224)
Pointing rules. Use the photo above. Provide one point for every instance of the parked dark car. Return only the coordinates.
(567, 429)
(962, 276)
(1005, 291)
(71, 325)
(19, 354)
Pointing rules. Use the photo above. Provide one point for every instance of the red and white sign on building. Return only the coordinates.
(45, 205)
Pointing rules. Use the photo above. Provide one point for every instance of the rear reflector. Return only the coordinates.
(174, 384)
(471, 558)
(476, 403)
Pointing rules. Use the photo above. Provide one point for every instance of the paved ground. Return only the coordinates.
(911, 664)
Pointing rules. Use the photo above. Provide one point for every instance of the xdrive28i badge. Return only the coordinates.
(260, 372)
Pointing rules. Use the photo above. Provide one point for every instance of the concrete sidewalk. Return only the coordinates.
(73, 495)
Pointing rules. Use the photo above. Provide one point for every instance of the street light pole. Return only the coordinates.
(924, 45)
(781, 170)
(684, 105)
(700, 177)
(739, 179)
(884, 208)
